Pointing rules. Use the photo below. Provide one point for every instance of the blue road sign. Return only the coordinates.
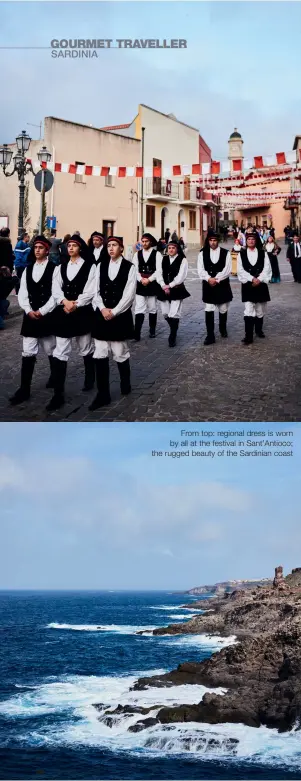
(51, 222)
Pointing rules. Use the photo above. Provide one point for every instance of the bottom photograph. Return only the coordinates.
(150, 601)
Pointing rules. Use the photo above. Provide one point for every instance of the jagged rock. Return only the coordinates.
(140, 725)
(262, 672)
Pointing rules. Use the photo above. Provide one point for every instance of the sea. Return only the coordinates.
(63, 653)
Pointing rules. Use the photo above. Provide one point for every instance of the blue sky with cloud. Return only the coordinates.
(240, 69)
(86, 506)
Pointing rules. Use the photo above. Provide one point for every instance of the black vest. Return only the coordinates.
(259, 265)
(39, 292)
(72, 289)
(170, 270)
(147, 268)
(111, 291)
(214, 268)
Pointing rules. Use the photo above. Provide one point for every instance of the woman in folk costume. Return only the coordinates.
(272, 249)
(254, 272)
(214, 269)
(145, 261)
(172, 270)
(36, 299)
(97, 247)
(73, 289)
(114, 293)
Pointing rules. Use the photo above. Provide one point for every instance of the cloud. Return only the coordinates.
(82, 496)
(42, 475)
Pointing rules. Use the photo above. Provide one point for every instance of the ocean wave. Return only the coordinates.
(174, 607)
(76, 692)
(82, 724)
(124, 629)
(213, 642)
(181, 616)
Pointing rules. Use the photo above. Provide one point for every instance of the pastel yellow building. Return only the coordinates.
(80, 202)
(168, 201)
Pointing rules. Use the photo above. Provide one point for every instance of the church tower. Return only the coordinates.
(235, 146)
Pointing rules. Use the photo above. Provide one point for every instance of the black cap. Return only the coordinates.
(119, 240)
(76, 239)
(97, 233)
(151, 238)
(42, 240)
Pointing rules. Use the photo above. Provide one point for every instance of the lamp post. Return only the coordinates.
(44, 157)
(21, 167)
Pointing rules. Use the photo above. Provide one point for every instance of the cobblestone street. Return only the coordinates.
(224, 382)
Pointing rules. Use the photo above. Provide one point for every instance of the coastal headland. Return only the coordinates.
(261, 671)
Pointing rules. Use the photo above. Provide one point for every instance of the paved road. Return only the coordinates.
(224, 382)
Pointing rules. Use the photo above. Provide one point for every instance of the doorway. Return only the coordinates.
(108, 228)
(164, 221)
(181, 224)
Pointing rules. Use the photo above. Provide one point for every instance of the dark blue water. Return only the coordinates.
(51, 677)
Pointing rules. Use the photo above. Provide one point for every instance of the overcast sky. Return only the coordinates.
(240, 69)
(86, 506)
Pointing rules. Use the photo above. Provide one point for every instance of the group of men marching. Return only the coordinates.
(89, 298)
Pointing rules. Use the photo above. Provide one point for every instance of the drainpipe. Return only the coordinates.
(52, 189)
(142, 182)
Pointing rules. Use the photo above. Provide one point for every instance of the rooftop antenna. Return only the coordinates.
(39, 126)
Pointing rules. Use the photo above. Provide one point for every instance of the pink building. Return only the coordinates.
(267, 210)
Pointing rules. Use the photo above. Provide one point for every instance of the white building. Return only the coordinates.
(168, 201)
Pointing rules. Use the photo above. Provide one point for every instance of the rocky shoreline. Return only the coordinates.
(260, 673)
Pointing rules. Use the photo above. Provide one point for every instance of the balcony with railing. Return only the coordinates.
(161, 189)
(293, 201)
(184, 192)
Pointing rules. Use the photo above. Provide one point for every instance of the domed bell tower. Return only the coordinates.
(235, 146)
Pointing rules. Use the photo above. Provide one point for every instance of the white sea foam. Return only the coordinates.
(213, 642)
(181, 616)
(124, 629)
(75, 692)
(82, 724)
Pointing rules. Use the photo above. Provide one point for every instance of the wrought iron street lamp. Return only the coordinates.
(21, 167)
(44, 157)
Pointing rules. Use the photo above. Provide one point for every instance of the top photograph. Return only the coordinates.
(150, 213)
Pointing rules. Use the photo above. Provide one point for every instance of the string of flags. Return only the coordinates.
(236, 168)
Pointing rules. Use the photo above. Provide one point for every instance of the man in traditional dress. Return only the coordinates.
(115, 288)
(73, 289)
(254, 272)
(172, 270)
(214, 269)
(36, 299)
(97, 247)
(294, 256)
(145, 261)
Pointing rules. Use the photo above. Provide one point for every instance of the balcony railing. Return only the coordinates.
(163, 187)
(292, 202)
(184, 191)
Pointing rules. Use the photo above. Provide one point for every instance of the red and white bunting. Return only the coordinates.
(213, 170)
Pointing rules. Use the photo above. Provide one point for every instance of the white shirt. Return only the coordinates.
(296, 244)
(128, 293)
(97, 252)
(181, 276)
(23, 297)
(146, 254)
(214, 257)
(244, 276)
(73, 268)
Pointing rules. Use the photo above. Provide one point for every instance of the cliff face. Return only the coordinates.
(227, 586)
(262, 672)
